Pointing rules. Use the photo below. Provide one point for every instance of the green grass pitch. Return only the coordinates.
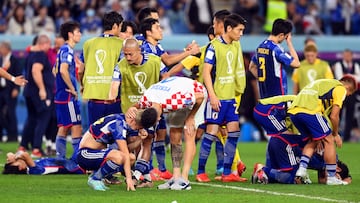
(73, 188)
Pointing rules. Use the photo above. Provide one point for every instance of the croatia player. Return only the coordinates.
(184, 100)
(270, 58)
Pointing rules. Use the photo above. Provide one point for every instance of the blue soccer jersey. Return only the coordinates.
(65, 55)
(110, 128)
(55, 166)
(271, 59)
(156, 50)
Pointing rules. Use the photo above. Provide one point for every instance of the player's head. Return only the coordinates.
(342, 170)
(147, 12)
(146, 118)
(350, 83)
(132, 51)
(151, 28)
(210, 33)
(234, 26)
(13, 165)
(218, 21)
(112, 21)
(128, 29)
(281, 27)
(70, 30)
(310, 53)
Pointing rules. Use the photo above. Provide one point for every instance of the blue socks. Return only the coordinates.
(159, 148)
(75, 144)
(105, 170)
(219, 153)
(60, 147)
(304, 161)
(205, 149)
(229, 151)
(331, 169)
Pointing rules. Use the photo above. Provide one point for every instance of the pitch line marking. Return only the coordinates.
(270, 192)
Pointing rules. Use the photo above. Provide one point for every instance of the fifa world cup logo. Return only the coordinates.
(100, 56)
(229, 60)
(311, 74)
(140, 79)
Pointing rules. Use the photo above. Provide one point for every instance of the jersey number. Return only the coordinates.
(262, 75)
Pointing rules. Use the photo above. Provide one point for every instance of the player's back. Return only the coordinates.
(271, 75)
(108, 129)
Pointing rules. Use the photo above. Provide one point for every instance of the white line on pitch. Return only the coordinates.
(269, 192)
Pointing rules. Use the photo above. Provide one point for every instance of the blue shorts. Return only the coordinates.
(68, 114)
(98, 109)
(271, 117)
(281, 155)
(161, 124)
(226, 114)
(92, 159)
(313, 127)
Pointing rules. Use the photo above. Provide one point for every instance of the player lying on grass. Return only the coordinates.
(94, 153)
(22, 163)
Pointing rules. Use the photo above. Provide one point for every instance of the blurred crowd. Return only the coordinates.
(315, 17)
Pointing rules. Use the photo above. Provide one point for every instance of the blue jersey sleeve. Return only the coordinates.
(66, 56)
(81, 57)
(283, 57)
(210, 55)
(116, 74)
(118, 130)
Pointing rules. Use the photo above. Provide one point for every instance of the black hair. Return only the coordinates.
(281, 26)
(148, 118)
(210, 31)
(10, 169)
(221, 15)
(233, 20)
(67, 27)
(146, 25)
(145, 13)
(111, 18)
(344, 173)
(131, 24)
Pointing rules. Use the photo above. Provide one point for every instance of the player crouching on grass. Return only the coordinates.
(94, 153)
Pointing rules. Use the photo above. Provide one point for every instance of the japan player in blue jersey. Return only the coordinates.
(94, 153)
(66, 98)
(270, 59)
(22, 163)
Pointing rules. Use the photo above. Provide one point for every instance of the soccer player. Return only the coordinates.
(22, 163)
(66, 98)
(312, 68)
(135, 73)
(222, 77)
(271, 114)
(99, 57)
(94, 153)
(270, 58)
(237, 167)
(184, 100)
(151, 30)
(308, 112)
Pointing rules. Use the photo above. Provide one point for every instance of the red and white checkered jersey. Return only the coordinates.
(172, 93)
